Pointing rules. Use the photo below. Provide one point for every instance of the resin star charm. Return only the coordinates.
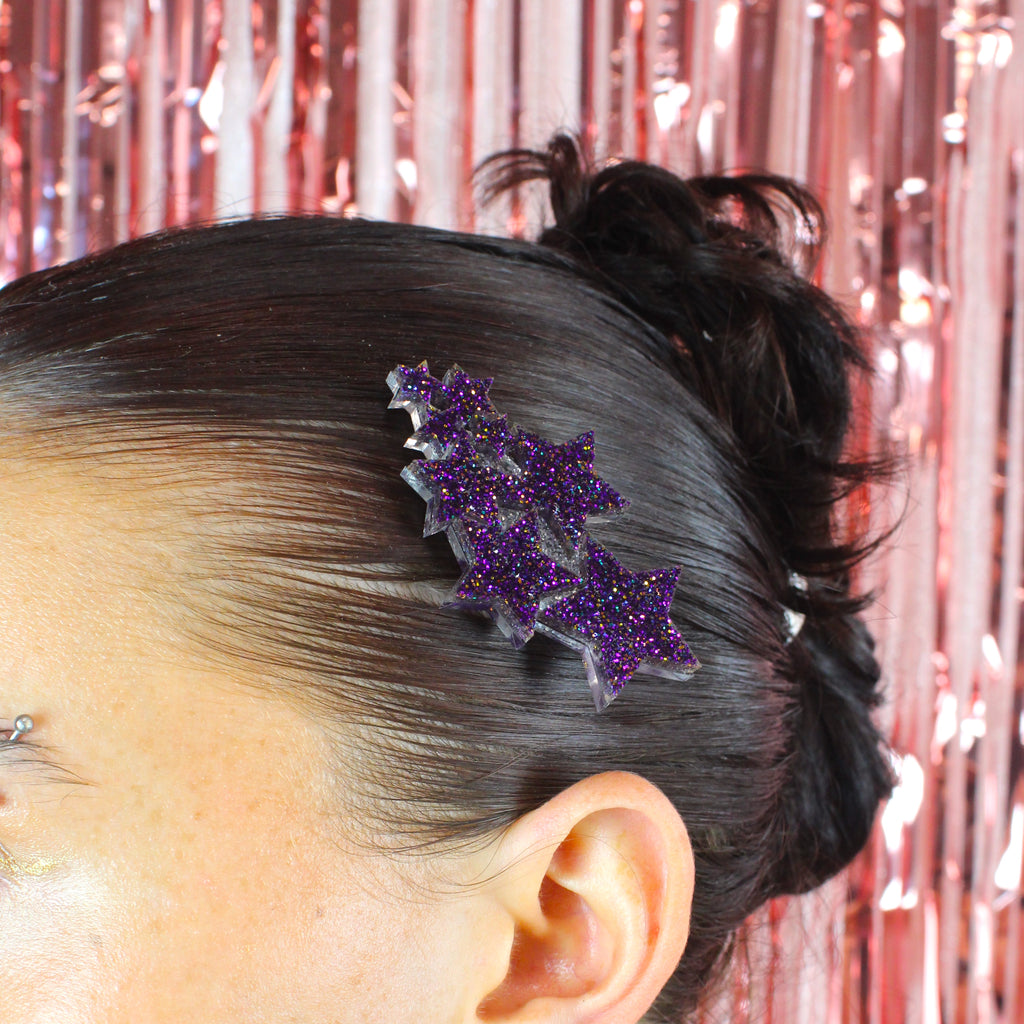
(515, 509)
(464, 486)
(413, 388)
(620, 620)
(562, 480)
(509, 574)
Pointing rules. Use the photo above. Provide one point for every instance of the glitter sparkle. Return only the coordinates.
(621, 620)
(562, 480)
(509, 576)
(463, 486)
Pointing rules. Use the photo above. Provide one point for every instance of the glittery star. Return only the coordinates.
(458, 402)
(413, 388)
(493, 435)
(462, 485)
(466, 395)
(620, 620)
(440, 430)
(563, 480)
(509, 574)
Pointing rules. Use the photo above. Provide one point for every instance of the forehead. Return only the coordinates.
(92, 637)
(79, 599)
(83, 548)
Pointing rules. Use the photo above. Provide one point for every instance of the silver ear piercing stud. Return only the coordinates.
(22, 725)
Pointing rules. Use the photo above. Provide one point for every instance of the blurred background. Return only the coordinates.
(906, 117)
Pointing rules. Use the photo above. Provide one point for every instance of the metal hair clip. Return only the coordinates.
(514, 507)
(794, 620)
(22, 724)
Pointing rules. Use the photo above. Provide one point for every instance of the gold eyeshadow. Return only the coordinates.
(20, 755)
(14, 868)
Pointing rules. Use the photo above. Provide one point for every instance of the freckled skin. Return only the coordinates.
(198, 876)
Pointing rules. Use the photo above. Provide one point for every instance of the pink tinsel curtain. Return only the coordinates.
(906, 116)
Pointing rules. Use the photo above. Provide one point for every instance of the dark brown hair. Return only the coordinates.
(664, 314)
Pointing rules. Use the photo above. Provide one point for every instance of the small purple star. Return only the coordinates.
(462, 485)
(440, 430)
(620, 619)
(509, 574)
(466, 396)
(458, 402)
(562, 479)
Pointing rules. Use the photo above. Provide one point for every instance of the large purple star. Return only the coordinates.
(620, 620)
(508, 574)
(462, 486)
(562, 479)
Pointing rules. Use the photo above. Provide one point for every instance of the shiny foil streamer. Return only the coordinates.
(906, 116)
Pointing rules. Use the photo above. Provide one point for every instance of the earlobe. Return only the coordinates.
(598, 889)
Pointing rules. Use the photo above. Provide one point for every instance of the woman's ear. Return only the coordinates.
(593, 894)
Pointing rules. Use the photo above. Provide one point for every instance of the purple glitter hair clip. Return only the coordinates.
(514, 508)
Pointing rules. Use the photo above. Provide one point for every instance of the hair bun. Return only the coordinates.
(837, 773)
(719, 266)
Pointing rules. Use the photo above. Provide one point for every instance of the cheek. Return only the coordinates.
(76, 949)
(60, 944)
(234, 906)
(209, 915)
(216, 922)
(224, 928)
(264, 933)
